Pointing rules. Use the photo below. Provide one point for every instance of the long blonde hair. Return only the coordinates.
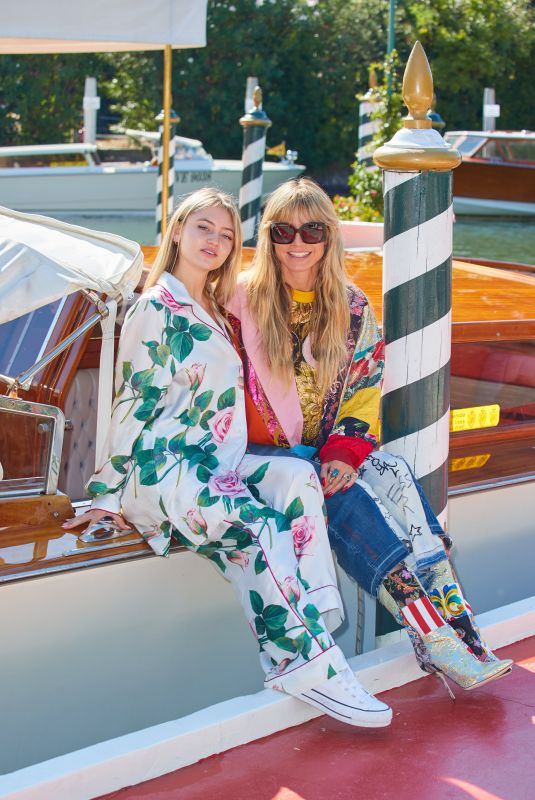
(269, 297)
(220, 283)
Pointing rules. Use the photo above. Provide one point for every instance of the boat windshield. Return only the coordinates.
(24, 339)
(466, 145)
(509, 150)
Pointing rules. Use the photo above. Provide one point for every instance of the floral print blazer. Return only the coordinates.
(178, 418)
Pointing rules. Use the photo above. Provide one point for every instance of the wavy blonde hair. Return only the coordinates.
(220, 283)
(270, 298)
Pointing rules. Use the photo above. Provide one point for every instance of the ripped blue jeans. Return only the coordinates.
(384, 518)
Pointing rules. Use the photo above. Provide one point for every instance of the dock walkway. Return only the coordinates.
(480, 747)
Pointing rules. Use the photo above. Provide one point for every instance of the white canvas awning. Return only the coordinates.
(64, 26)
(42, 260)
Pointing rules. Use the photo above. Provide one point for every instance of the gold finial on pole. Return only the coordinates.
(417, 146)
(417, 89)
(256, 116)
(257, 97)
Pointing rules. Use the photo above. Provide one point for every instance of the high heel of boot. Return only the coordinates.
(451, 657)
(445, 684)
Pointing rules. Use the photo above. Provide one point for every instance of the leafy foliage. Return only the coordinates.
(365, 183)
(311, 58)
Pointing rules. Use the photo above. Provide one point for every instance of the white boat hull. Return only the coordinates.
(117, 189)
(491, 208)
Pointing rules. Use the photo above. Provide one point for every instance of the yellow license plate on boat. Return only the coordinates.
(469, 419)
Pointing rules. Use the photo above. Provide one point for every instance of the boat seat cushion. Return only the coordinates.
(78, 458)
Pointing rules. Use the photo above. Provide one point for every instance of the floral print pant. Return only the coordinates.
(282, 571)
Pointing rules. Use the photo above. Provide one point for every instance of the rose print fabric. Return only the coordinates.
(280, 565)
(177, 468)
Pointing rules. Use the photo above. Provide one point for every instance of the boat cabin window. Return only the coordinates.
(24, 339)
(43, 160)
(495, 374)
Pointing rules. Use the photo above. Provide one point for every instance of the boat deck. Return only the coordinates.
(481, 746)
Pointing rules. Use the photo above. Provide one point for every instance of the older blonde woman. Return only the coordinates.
(313, 361)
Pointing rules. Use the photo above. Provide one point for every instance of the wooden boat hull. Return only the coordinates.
(494, 189)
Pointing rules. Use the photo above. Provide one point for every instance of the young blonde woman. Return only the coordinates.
(177, 466)
(313, 361)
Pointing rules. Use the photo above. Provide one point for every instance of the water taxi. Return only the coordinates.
(497, 173)
(83, 178)
(101, 693)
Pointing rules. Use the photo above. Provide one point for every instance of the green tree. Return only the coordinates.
(41, 95)
(365, 184)
(311, 58)
(473, 44)
(305, 56)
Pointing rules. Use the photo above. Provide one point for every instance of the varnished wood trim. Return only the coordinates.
(33, 512)
(493, 331)
(516, 432)
(505, 265)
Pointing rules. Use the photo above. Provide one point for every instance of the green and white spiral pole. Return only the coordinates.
(368, 126)
(417, 251)
(255, 124)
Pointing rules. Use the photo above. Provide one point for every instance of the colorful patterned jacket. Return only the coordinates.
(350, 421)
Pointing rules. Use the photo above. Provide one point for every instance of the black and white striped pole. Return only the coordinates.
(255, 124)
(170, 196)
(418, 166)
(368, 126)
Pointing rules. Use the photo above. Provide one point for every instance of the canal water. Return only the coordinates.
(498, 239)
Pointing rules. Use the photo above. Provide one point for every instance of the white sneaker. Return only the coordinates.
(344, 698)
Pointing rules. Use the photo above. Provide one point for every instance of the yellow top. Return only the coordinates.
(310, 397)
(303, 297)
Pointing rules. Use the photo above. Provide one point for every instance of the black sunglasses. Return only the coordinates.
(310, 232)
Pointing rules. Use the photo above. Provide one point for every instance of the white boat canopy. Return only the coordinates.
(60, 26)
(43, 259)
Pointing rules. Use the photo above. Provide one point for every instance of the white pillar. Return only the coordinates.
(91, 106)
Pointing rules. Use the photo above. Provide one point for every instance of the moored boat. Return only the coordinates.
(107, 639)
(497, 173)
(80, 178)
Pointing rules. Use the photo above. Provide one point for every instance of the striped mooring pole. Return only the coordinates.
(368, 127)
(418, 229)
(174, 120)
(255, 124)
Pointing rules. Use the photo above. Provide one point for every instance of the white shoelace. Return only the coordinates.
(347, 679)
